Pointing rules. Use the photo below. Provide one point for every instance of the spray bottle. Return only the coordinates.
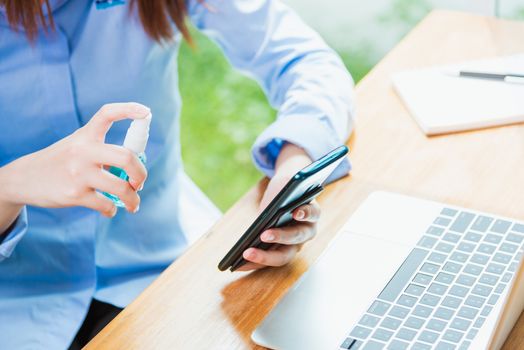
(135, 141)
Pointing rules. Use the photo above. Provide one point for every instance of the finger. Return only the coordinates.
(109, 113)
(106, 182)
(100, 203)
(250, 267)
(293, 234)
(117, 156)
(277, 257)
(309, 212)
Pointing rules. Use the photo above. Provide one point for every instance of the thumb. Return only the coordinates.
(99, 125)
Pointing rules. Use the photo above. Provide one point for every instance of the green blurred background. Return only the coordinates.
(223, 111)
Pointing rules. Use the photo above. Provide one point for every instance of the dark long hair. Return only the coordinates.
(156, 16)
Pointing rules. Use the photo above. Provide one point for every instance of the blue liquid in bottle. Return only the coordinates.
(121, 173)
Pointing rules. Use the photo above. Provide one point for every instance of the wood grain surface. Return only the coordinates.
(194, 306)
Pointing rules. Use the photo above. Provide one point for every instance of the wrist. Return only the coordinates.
(291, 159)
(9, 210)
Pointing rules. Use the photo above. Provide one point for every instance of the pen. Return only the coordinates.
(508, 78)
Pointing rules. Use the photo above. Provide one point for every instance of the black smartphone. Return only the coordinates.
(303, 187)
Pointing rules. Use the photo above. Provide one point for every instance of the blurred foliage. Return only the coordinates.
(404, 14)
(223, 112)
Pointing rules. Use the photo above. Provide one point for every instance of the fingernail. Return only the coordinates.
(250, 254)
(136, 209)
(113, 211)
(300, 214)
(268, 237)
(141, 187)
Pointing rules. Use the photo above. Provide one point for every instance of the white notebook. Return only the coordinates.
(441, 102)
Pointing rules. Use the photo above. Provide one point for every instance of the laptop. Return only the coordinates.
(406, 273)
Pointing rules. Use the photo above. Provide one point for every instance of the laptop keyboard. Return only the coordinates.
(446, 288)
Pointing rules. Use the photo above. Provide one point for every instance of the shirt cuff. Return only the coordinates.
(314, 135)
(14, 235)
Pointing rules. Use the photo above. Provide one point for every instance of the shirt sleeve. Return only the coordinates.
(14, 235)
(302, 77)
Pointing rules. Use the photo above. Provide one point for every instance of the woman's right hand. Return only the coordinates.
(70, 171)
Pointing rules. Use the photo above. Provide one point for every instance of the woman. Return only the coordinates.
(69, 261)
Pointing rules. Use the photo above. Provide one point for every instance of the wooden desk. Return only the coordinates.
(193, 306)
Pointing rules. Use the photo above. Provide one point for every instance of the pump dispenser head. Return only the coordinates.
(138, 134)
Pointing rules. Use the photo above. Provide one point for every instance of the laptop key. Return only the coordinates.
(427, 242)
(444, 313)
(397, 345)
(495, 268)
(420, 346)
(399, 312)
(406, 334)
(508, 247)
(449, 212)
(518, 228)
(512, 267)
(488, 279)
(422, 279)
(444, 247)
(429, 299)
(351, 343)
(451, 302)
(373, 345)
(458, 291)
(479, 322)
(414, 289)
(507, 277)
(460, 324)
(451, 237)
(445, 278)
(472, 237)
(500, 288)
(452, 336)
(435, 231)
(378, 308)
(466, 280)
(466, 247)
(428, 336)
(407, 300)
(515, 238)
(445, 346)
(437, 288)
(437, 257)
(482, 223)
(403, 274)
(414, 322)
(482, 290)
(472, 333)
(491, 238)
(452, 267)
(390, 323)
(462, 222)
(493, 299)
(442, 221)
(480, 259)
(459, 257)
(486, 248)
(475, 301)
(382, 334)
(501, 226)
(422, 311)
(360, 332)
(436, 325)
(502, 258)
(429, 268)
(468, 312)
(473, 269)
(369, 320)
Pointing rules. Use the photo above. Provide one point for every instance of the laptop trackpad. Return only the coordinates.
(319, 311)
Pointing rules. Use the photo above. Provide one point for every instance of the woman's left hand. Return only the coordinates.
(289, 239)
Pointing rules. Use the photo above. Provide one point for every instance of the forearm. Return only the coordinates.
(9, 211)
(291, 159)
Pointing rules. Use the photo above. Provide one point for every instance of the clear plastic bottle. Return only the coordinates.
(135, 141)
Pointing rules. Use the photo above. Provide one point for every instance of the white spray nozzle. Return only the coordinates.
(138, 134)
